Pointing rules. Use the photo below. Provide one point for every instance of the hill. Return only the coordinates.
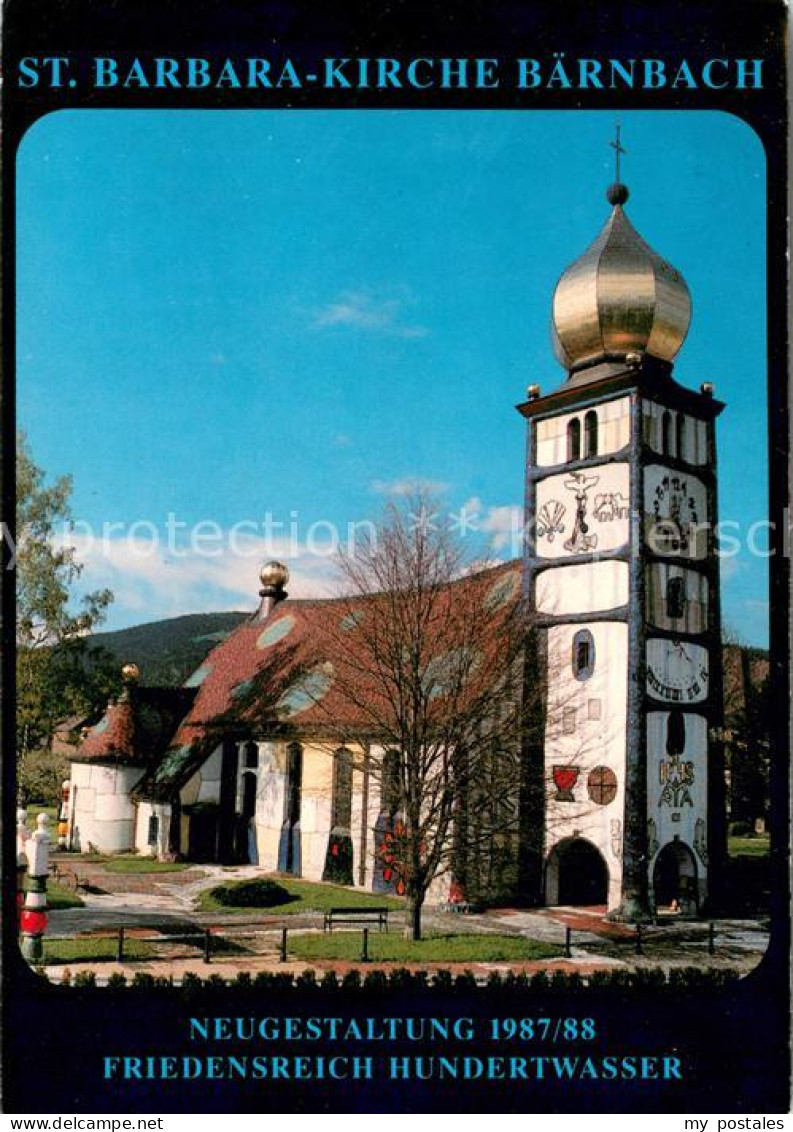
(168, 651)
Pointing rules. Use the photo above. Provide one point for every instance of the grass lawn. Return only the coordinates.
(88, 950)
(307, 897)
(36, 808)
(135, 864)
(757, 846)
(58, 897)
(383, 948)
(748, 876)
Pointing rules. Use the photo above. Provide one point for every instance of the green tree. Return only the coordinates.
(58, 672)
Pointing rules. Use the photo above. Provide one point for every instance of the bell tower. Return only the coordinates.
(622, 581)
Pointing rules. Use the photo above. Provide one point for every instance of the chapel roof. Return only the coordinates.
(136, 727)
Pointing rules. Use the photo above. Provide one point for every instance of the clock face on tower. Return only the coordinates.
(677, 671)
(675, 513)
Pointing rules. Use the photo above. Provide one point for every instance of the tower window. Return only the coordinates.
(251, 756)
(675, 733)
(681, 437)
(568, 721)
(676, 597)
(666, 433)
(574, 439)
(583, 654)
(591, 434)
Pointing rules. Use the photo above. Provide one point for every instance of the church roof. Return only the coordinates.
(619, 298)
(292, 674)
(135, 728)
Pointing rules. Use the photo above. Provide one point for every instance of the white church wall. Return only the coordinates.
(585, 744)
(584, 588)
(675, 513)
(315, 809)
(583, 512)
(614, 431)
(270, 802)
(145, 813)
(694, 611)
(695, 433)
(209, 777)
(161, 811)
(204, 784)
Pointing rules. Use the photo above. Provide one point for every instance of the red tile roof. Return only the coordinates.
(293, 672)
(113, 737)
(137, 728)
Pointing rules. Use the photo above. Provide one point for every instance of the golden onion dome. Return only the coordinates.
(619, 298)
(274, 575)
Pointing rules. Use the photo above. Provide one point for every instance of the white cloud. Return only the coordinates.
(150, 581)
(404, 488)
(361, 310)
(505, 527)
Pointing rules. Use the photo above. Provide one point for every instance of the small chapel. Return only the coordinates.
(622, 779)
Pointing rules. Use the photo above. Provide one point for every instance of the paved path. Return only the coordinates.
(164, 903)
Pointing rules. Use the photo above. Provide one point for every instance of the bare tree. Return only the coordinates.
(432, 675)
(747, 716)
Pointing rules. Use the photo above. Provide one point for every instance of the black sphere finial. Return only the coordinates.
(617, 193)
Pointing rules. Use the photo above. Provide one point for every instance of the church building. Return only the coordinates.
(622, 790)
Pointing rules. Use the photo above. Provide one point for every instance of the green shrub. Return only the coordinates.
(260, 893)
(740, 829)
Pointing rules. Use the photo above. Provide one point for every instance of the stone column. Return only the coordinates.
(34, 914)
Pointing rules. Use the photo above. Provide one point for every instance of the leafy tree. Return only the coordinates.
(58, 673)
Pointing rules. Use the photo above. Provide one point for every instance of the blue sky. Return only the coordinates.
(224, 314)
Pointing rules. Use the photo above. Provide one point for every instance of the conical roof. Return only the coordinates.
(619, 298)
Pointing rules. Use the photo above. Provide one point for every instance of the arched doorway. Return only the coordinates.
(576, 873)
(675, 878)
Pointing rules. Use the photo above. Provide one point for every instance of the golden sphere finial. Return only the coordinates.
(130, 673)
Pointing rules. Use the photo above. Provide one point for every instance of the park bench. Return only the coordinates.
(344, 915)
